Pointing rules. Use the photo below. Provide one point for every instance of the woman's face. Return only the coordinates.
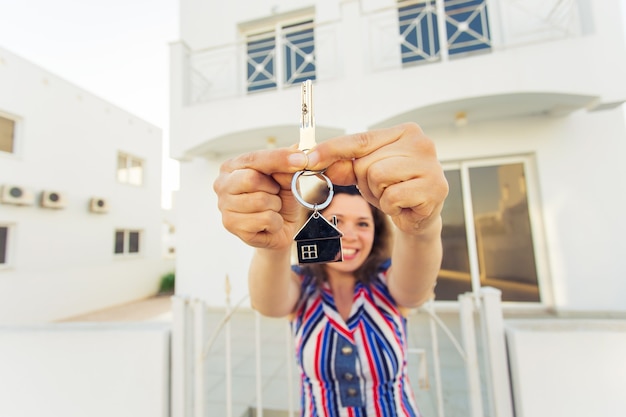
(355, 221)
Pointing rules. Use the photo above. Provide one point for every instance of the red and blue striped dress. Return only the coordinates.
(355, 367)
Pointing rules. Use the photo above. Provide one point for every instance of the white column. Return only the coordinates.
(259, 376)
(496, 23)
(436, 362)
(199, 341)
(290, 383)
(182, 377)
(228, 351)
(496, 360)
(441, 27)
(466, 313)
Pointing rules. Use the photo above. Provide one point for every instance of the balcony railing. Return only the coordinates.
(424, 31)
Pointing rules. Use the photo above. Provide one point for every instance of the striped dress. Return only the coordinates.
(355, 367)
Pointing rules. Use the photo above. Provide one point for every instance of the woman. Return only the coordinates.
(347, 316)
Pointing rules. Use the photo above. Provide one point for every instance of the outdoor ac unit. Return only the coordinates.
(15, 194)
(53, 200)
(98, 205)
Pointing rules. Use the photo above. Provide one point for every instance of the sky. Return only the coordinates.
(117, 50)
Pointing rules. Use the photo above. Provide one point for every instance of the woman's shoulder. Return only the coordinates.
(382, 272)
(381, 296)
(379, 283)
(306, 277)
(309, 290)
(384, 266)
(301, 271)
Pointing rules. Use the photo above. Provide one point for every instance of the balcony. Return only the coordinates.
(397, 39)
(428, 61)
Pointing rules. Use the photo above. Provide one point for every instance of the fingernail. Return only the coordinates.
(314, 158)
(297, 159)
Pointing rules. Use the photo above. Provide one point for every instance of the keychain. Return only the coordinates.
(319, 240)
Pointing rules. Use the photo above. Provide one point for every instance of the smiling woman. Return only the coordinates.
(366, 241)
(348, 314)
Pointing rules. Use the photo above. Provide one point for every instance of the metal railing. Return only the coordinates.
(192, 347)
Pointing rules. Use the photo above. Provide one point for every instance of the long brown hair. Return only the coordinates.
(381, 247)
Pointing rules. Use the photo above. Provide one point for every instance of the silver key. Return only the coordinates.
(307, 118)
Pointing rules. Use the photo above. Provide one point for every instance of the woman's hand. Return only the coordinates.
(396, 170)
(254, 196)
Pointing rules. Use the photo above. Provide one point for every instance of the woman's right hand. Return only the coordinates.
(255, 198)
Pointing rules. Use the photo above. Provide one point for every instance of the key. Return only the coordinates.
(307, 118)
(318, 240)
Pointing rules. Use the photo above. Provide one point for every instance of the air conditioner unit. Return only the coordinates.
(98, 205)
(15, 194)
(53, 200)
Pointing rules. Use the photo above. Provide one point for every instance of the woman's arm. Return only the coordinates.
(255, 199)
(416, 259)
(274, 287)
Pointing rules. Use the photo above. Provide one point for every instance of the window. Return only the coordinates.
(309, 251)
(299, 48)
(464, 23)
(129, 169)
(4, 245)
(127, 241)
(498, 248)
(7, 134)
(467, 25)
(419, 37)
(261, 61)
(281, 56)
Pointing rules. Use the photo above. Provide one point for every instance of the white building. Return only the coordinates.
(522, 98)
(80, 209)
(523, 102)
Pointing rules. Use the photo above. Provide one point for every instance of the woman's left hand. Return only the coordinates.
(396, 170)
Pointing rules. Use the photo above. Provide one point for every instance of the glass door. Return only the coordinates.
(488, 237)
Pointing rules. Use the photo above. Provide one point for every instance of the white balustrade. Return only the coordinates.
(191, 349)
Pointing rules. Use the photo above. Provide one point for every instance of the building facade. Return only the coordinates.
(523, 100)
(80, 209)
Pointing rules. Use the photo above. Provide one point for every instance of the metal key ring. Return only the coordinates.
(296, 194)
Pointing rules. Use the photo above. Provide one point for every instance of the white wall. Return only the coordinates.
(567, 367)
(62, 261)
(85, 370)
(206, 252)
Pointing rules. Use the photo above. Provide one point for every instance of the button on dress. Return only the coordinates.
(355, 367)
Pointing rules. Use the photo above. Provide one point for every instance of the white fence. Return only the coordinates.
(573, 366)
(193, 346)
(85, 369)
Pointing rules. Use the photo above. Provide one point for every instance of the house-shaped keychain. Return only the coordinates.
(319, 240)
